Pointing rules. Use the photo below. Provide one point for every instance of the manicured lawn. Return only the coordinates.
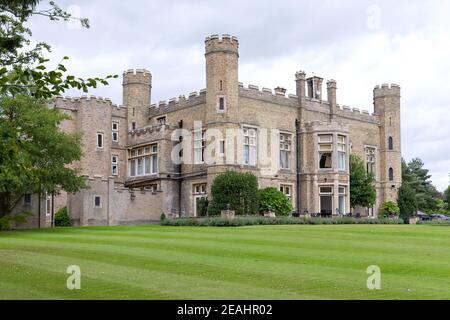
(265, 262)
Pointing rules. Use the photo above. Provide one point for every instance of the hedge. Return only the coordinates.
(251, 221)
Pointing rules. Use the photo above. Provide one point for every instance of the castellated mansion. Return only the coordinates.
(141, 159)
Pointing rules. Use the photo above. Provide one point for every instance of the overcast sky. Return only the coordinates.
(358, 43)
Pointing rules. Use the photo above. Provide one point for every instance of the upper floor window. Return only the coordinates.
(161, 120)
(326, 151)
(114, 165)
(115, 131)
(370, 160)
(249, 146)
(342, 153)
(391, 174)
(391, 143)
(222, 147)
(199, 146)
(221, 104)
(143, 161)
(99, 140)
(285, 151)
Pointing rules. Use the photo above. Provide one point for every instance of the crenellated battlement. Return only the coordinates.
(194, 98)
(386, 90)
(72, 101)
(267, 94)
(224, 43)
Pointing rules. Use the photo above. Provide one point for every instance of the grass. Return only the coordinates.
(262, 262)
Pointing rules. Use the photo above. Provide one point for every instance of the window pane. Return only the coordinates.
(341, 161)
(99, 140)
(139, 167)
(132, 168)
(326, 138)
(154, 164)
(147, 165)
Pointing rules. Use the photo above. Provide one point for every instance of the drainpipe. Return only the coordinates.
(107, 204)
(297, 160)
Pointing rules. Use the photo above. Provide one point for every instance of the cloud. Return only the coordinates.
(358, 43)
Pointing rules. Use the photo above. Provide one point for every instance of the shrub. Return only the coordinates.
(6, 220)
(162, 217)
(388, 209)
(239, 190)
(202, 207)
(242, 221)
(62, 218)
(276, 201)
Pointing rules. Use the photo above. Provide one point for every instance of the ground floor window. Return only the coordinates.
(342, 200)
(326, 200)
(200, 198)
(48, 204)
(287, 191)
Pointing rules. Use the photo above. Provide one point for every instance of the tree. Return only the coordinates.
(36, 152)
(276, 201)
(362, 188)
(447, 197)
(239, 190)
(33, 152)
(407, 201)
(388, 209)
(24, 71)
(418, 178)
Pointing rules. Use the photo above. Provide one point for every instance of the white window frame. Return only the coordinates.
(199, 146)
(115, 164)
(285, 146)
(199, 191)
(342, 196)
(371, 158)
(342, 152)
(143, 155)
(102, 135)
(328, 194)
(325, 142)
(115, 131)
(252, 147)
(48, 205)
(283, 188)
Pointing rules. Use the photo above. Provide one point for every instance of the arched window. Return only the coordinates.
(391, 174)
(391, 143)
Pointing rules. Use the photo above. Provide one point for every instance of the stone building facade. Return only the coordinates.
(142, 159)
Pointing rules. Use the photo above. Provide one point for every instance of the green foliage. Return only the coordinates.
(407, 201)
(362, 188)
(258, 220)
(34, 152)
(202, 206)
(388, 209)
(6, 220)
(447, 197)
(275, 200)
(62, 218)
(163, 217)
(414, 174)
(239, 190)
(24, 71)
